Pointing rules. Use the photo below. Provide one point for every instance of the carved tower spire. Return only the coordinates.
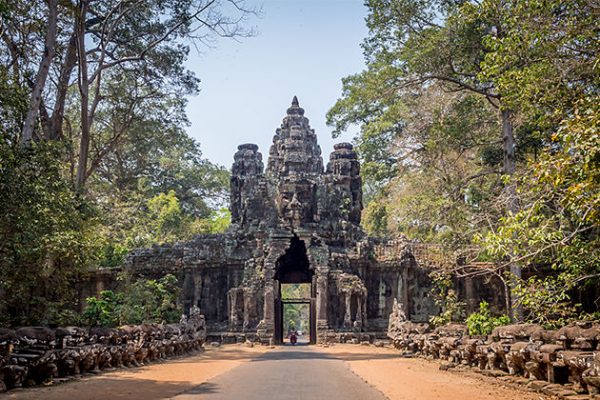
(294, 168)
(295, 150)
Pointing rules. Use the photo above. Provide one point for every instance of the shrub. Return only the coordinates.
(451, 309)
(139, 301)
(48, 235)
(483, 323)
(105, 310)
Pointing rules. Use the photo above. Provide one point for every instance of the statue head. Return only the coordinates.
(295, 201)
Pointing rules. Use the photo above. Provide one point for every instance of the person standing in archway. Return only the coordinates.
(294, 338)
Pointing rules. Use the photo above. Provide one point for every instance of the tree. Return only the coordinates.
(546, 60)
(44, 68)
(154, 159)
(411, 44)
(99, 44)
(559, 223)
(447, 170)
(143, 41)
(146, 145)
(531, 61)
(546, 67)
(48, 236)
(136, 301)
(92, 140)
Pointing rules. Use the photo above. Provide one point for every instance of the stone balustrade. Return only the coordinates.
(565, 362)
(34, 355)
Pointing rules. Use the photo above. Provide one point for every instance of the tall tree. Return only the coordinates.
(142, 39)
(448, 170)
(415, 42)
(42, 74)
(95, 90)
(88, 41)
(530, 60)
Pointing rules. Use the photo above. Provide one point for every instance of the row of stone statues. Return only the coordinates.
(33, 355)
(570, 355)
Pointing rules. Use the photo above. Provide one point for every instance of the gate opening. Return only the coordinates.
(295, 299)
(295, 303)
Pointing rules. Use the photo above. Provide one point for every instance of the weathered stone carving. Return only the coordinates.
(295, 203)
(568, 356)
(32, 355)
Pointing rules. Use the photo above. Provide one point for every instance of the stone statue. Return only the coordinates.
(397, 318)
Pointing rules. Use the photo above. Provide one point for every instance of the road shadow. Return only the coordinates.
(229, 352)
(316, 353)
(102, 388)
(204, 388)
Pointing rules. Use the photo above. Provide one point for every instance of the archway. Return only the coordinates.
(293, 268)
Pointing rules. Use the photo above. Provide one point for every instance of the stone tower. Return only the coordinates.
(301, 211)
(295, 184)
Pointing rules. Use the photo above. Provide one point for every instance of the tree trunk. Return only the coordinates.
(42, 74)
(84, 146)
(56, 121)
(512, 205)
(508, 143)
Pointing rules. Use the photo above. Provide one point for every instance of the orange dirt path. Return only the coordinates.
(419, 379)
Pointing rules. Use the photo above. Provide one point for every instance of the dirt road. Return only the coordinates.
(237, 372)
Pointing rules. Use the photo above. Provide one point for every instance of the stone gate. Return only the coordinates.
(295, 221)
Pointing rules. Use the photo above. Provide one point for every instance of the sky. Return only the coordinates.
(302, 48)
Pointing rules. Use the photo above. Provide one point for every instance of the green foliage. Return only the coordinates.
(155, 155)
(137, 301)
(13, 107)
(217, 222)
(375, 216)
(47, 232)
(164, 215)
(296, 316)
(164, 193)
(546, 58)
(559, 221)
(4, 8)
(546, 300)
(47, 235)
(482, 322)
(145, 179)
(437, 75)
(295, 291)
(444, 296)
(160, 219)
(105, 310)
(149, 300)
(441, 187)
(113, 255)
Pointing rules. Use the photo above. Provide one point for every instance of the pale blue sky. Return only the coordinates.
(303, 48)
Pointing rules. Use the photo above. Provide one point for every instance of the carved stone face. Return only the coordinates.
(295, 202)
